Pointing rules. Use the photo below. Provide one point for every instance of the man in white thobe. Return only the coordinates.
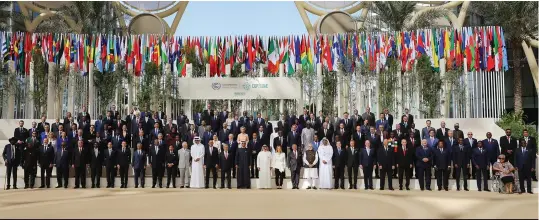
(263, 162)
(307, 136)
(310, 161)
(325, 152)
(197, 171)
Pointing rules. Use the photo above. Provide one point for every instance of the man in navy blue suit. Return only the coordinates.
(139, 165)
(525, 163)
(382, 121)
(442, 164)
(12, 158)
(461, 162)
(367, 161)
(472, 144)
(480, 161)
(423, 165)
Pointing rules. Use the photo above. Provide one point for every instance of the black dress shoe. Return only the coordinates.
(136, 187)
(222, 187)
(309, 187)
(381, 188)
(350, 187)
(391, 189)
(342, 187)
(65, 187)
(439, 189)
(187, 187)
(336, 187)
(41, 187)
(400, 187)
(25, 187)
(181, 187)
(355, 187)
(153, 186)
(422, 189)
(479, 190)
(15, 187)
(429, 189)
(366, 188)
(206, 187)
(94, 187)
(487, 190)
(229, 187)
(530, 192)
(173, 186)
(167, 187)
(407, 188)
(314, 187)
(446, 189)
(107, 187)
(76, 187)
(466, 189)
(215, 187)
(372, 188)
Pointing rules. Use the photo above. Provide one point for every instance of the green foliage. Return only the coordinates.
(399, 15)
(388, 83)
(430, 86)
(9, 82)
(236, 71)
(455, 89)
(39, 94)
(199, 69)
(93, 17)
(106, 84)
(151, 89)
(17, 18)
(329, 91)
(515, 122)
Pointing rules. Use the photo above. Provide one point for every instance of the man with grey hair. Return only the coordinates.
(184, 155)
(310, 161)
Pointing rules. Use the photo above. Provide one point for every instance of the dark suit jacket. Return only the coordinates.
(157, 158)
(410, 118)
(172, 158)
(213, 159)
(223, 135)
(525, 159)
(402, 159)
(385, 158)
(471, 145)
(348, 127)
(506, 145)
(493, 149)
(7, 155)
(41, 127)
(420, 153)
(124, 158)
(139, 160)
(328, 135)
(461, 158)
(339, 160)
(110, 160)
(21, 135)
(226, 164)
(277, 142)
(46, 155)
(285, 127)
(352, 158)
(294, 139)
(359, 139)
(79, 157)
(235, 128)
(439, 134)
(367, 160)
(96, 161)
(62, 161)
(442, 160)
(480, 159)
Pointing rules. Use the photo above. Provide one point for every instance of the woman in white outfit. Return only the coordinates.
(279, 163)
(216, 143)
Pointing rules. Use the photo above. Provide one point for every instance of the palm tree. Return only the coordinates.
(519, 22)
(399, 16)
(92, 16)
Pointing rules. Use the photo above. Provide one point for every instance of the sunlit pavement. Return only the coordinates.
(225, 203)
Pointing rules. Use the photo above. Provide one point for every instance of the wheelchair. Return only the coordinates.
(498, 187)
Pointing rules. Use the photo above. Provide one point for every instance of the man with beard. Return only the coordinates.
(243, 164)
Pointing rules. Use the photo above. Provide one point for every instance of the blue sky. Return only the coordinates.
(239, 18)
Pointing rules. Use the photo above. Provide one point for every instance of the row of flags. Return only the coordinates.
(483, 47)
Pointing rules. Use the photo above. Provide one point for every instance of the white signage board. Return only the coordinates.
(239, 88)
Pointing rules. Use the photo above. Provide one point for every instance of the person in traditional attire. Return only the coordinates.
(243, 164)
(197, 171)
(264, 168)
(307, 136)
(325, 153)
(310, 161)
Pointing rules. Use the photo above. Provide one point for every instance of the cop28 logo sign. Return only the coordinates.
(247, 86)
(216, 86)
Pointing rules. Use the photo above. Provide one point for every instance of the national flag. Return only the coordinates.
(273, 57)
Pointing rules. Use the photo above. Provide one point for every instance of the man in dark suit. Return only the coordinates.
(367, 161)
(211, 162)
(508, 144)
(480, 161)
(389, 118)
(180, 120)
(304, 117)
(223, 133)
(169, 126)
(383, 123)
(405, 125)
(235, 126)
(347, 122)
(404, 159)
(491, 145)
(41, 125)
(531, 144)
(294, 137)
(21, 133)
(423, 165)
(283, 125)
(140, 139)
(263, 135)
(157, 162)
(339, 162)
(409, 117)
(280, 141)
(124, 160)
(78, 162)
(83, 115)
(12, 156)
(425, 132)
(358, 137)
(96, 164)
(46, 161)
(139, 165)
(471, 143)
(525, 163)
(461, 155)
(61, 162)
(232, 148)
(368, 115)
(325, 132)
(386, 162)
(352, 164)
(110, 162)
(442, 164)
(343, 133)
(442, 132)
(226, 164)
(171, 160)
(215, 123)
(155, 131)
(294, 163)
(55, 125)
(457, 133)
(255, 146)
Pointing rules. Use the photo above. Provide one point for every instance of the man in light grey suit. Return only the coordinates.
(368, 115)
(184, 164)
(336, 121)
(294, 163)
